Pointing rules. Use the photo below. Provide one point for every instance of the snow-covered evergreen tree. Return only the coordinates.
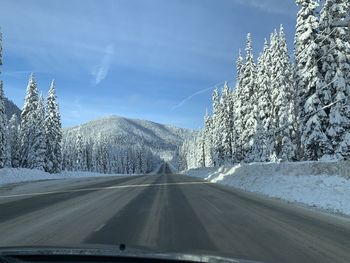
(80, 157)
(335, 66)
(207, 134)
(68, 148)
(39, 143)
(53, 133)
(283, 95)
(259, 148)
(13, 141)
(226, 123)
(264, 137)
(314, 143)
(216, 132)
(3, 124)
(237, 110)
(305, 36)
(275, 72)
(28, 125)
(313, 138)
(284, 105)
(248, 101)
(130, 162)
(192, 152)
(103, 157)
(2, 115)
(88, 147)
(200, 150)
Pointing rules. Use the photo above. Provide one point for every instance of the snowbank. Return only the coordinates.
(16, 175)
(325, 185)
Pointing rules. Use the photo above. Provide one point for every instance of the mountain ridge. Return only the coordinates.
(115, 116)
(11, 108)
(161, 139)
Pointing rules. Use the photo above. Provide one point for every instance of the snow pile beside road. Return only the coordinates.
(17, 175)
(325, 185)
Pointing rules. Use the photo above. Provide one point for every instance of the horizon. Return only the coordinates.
(155, 66)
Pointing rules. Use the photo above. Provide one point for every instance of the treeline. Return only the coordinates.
(281, 110)
(33, 142)
(103, 154)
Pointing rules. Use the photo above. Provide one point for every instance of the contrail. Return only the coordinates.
(102, 70)
(184, 101)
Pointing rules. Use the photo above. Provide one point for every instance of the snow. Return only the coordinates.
(18, 175)
(159, 138)
(324, 185)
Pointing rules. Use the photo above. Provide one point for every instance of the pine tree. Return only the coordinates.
(2, 116)
(314, 144)
(282, 98)
(130, 163)
(237, 110)
(285, 102)
(248, 99)
(216, 132)
(275, 72)
(13, 141)
(335, 65)
(88, 155)
(39, 144)
(259, 148)
(68, 151)
(200, 150)
(104, 156)
(313, 137)
(264, 115)
(28, 125)
(53, 133)
(79, 144)
(306, 30)
(226, 122)
(207, 133)
(3, 123)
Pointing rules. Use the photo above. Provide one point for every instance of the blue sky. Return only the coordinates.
(133, 58)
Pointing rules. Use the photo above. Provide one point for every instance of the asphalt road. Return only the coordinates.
(171, 213)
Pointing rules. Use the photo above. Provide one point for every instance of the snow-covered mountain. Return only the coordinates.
(161, 139)
(11, 108)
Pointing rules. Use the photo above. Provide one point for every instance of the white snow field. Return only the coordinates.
(18, 175)
(324, 185)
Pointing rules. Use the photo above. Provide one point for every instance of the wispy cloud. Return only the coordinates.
(187, 99)
(101, 71)
(271, 6)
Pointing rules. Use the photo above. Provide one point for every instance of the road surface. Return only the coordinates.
(171, 213)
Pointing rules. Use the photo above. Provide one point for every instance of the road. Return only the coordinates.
(171, 213)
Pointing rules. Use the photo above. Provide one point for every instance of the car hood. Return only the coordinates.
(112, 251)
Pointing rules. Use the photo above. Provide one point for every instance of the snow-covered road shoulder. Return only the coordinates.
(18, 175)
(325, 185)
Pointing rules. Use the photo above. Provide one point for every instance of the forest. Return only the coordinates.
(283, 107)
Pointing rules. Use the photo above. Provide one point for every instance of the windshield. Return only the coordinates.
(207, 128)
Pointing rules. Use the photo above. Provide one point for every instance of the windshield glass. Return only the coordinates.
(214, 127)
